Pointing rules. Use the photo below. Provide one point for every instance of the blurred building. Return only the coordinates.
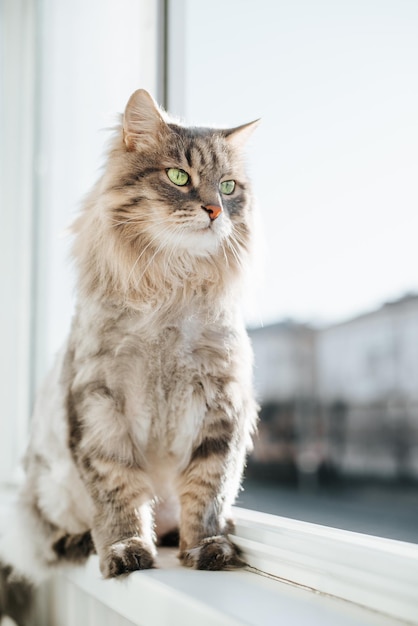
(342, 398)
(286, 386)
(285, 361)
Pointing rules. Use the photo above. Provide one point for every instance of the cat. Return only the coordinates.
(141, 431)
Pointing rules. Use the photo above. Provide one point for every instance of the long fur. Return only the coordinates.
(143, 425)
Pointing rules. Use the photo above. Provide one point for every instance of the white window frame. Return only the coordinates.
(17, 243)
(33, 217)
(298, 573)
(375, 580)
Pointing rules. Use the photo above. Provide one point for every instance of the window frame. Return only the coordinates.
(33, 218)
(335, 563)
(18, 235)
(338, 574)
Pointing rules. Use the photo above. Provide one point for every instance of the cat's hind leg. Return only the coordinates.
(170, 539)
(74, 548)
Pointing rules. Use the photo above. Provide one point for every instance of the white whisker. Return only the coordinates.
(152, 240)
(166, 235)
(225, 255)
(235, 250)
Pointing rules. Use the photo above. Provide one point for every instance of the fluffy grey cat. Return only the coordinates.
(141, 431)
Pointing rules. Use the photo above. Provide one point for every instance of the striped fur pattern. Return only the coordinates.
(142, 428)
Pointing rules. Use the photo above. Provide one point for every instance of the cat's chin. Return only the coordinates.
(201, 243)
(206, 241)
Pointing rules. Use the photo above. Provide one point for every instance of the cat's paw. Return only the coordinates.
(126, 556)
(213, 553)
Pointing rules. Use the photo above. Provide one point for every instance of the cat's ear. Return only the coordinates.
(239, 136)
(142, 120)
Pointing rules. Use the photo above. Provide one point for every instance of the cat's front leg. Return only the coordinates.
(119, 488)
(208, 488)
(123, 537)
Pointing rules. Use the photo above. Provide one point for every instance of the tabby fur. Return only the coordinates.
(142, 428)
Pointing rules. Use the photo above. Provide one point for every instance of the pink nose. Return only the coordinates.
(213, 210)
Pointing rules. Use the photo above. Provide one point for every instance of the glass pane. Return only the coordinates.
(81, 90)
(334, 163)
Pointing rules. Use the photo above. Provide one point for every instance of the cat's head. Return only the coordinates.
(179, 188)
(171, 213)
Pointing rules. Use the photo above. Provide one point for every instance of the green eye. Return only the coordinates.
(227, 187)
(178, 177)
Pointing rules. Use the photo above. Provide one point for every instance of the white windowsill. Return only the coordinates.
(300, 573)
(174, 595)
(378, 574)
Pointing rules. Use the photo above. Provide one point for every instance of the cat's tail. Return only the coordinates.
(16, 595)
(23, 562)
(31, 549)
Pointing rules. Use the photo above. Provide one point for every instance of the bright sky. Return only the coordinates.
(335, 161)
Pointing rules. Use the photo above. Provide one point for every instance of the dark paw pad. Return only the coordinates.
(170, 539)
(75, 548)
(126, 556)
(213, 553)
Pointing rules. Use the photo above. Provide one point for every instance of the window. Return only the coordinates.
(57, 103)
(59, 98)
(334, 168)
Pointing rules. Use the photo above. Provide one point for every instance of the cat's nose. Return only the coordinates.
(213, 210)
